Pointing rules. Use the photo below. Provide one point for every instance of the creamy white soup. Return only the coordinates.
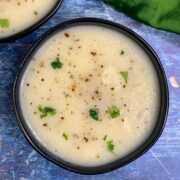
(90, 95)
(17, 15)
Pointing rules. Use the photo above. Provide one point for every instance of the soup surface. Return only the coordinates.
(17, 15)
(90, 95)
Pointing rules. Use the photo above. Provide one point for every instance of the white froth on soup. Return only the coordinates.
(18, 15)
(90, 95)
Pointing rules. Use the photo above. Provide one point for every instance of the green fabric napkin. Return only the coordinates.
(162, 14)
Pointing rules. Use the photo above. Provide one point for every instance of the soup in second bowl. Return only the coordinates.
(18, 15)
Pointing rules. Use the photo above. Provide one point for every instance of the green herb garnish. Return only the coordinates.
(114, 111)
(94, 114)
(122, 52)
(110, 146)
(46, 111)
(4, 23)
(124, 74)
(105, 137)
(57, 64)
(65, 136)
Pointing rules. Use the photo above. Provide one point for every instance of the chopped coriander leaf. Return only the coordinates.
(114, 111)
(94, 114)
(124, 74)
(4, 23)
(110, 146)
(65, 136)
(46, 111)
(122, 52)
(105, 137)
(57, 64)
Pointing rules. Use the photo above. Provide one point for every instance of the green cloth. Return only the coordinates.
(162, 14)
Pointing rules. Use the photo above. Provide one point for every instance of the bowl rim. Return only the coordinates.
(34, 26)
(140, 150)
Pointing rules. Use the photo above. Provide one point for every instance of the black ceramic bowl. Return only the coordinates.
(162, 114)
(33, 26)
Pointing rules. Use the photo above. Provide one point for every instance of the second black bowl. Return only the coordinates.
(33, 26)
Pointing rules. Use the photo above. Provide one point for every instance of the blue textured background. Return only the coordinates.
(19, 161)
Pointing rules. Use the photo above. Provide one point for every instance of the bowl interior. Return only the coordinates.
(163, 109)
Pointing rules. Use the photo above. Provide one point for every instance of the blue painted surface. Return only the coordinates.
(18, 160)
